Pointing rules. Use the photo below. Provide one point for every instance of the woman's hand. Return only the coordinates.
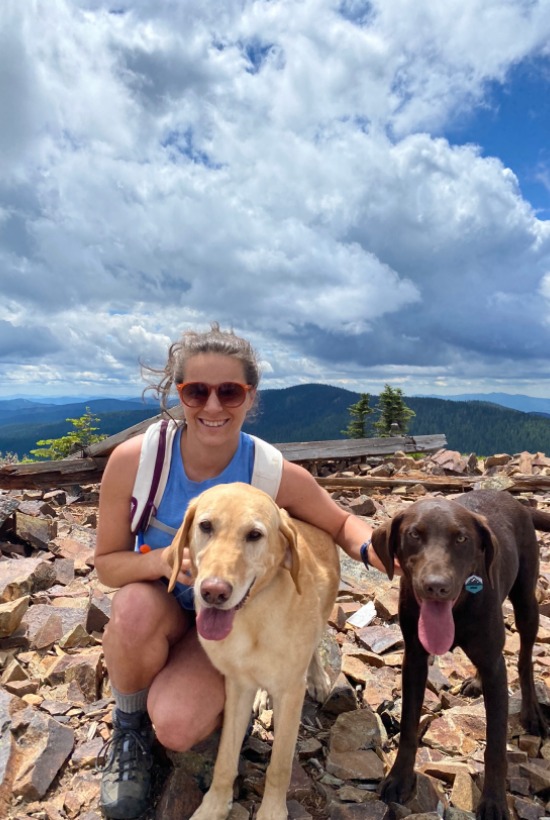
(184, 575)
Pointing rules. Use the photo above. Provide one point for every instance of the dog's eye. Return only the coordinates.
(414, 535)
(254, 535)
(460, 539)
(205, 526)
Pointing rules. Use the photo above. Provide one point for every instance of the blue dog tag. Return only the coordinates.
(473, 584)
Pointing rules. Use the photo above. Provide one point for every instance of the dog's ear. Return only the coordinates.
(489, 544)
(179, 543)
(385, 540)
(292, 559)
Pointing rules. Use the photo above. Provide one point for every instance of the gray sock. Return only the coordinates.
(134, 702)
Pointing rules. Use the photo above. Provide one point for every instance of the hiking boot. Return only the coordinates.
(125, 764)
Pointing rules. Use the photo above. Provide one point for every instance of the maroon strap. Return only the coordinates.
(149, 510)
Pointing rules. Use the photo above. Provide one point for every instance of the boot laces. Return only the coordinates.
(129, 749)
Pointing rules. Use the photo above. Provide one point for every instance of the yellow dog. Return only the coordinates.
(264, 588)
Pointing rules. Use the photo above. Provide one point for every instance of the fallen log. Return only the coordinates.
(46, 474)
(360, 447)
(442, 483)
(514, 484)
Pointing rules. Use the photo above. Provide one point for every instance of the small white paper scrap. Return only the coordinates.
(363, 616)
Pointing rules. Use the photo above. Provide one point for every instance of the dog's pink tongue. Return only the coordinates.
(436, 627)
(215, 624)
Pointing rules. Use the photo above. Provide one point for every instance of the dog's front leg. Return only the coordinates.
(399, 784)
(217, 801)
(493, 805)
(287, 709)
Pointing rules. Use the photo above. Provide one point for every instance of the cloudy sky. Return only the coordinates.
(361, 188)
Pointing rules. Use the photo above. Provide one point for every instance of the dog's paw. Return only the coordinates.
(491, 809)
(533, 721)
(262, 701)
(471, 688)
(397, 787)
(273, 811)
(318, 685)
(319, 688)
(213, 807)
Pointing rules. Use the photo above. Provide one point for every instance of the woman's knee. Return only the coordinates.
(181, 729)
(187, 698)
(137, 613)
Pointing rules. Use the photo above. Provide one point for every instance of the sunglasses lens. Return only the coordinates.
(231, 394)
(194, 394)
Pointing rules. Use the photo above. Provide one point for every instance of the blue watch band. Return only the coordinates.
(364, 553)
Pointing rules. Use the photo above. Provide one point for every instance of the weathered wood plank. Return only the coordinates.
(514, 484)
(46, 474)
(443, 483)
(528, 483)
(351, 448)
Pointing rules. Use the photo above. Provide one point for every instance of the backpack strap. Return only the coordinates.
(154, 467)
(268, 467)
(152, 473)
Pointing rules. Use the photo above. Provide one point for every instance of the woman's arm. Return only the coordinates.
(305, 499)
(115, 560)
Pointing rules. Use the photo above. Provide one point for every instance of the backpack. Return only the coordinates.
(154, 466)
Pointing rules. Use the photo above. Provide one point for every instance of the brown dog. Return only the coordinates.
(264, 588)
(460, 559)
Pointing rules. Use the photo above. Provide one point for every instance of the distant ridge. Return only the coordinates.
(514, 401)
(308, 412)
(21, 411)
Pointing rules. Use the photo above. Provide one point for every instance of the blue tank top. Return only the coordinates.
(180, 490)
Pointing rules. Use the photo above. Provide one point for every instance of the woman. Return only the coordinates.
(157, 668)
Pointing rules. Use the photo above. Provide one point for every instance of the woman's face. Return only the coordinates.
(214, 423)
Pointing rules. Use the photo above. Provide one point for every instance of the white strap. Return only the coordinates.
(143, 504)
(268, 467)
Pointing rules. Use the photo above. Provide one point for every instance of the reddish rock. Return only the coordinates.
(355, 730)
(20, 577)
(41, 751)
(358, 765)
(11, 614)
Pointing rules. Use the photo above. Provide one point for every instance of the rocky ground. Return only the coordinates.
(55, 702)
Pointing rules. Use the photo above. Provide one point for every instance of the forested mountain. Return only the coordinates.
(309, 412)
(481, 428)
(316, 412)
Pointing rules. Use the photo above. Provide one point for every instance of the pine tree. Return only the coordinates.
(78, 438)
(360, 412)
(394, 414)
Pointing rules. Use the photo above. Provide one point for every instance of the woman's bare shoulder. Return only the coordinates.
(124, 460)
(296, 484)
(129, 448)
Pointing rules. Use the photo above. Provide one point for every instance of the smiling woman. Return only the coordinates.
(160, 675)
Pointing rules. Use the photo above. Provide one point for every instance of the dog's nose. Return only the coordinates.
(437, 587)
(215, 591)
